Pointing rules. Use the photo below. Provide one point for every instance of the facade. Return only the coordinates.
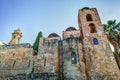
(47, 59)
(99, 59)
(82, 54)
(73, 66)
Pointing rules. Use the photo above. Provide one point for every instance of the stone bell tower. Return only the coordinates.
(99, 59)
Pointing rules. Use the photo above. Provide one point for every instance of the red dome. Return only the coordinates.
(70, 29)
(86, 8)
(53, 35)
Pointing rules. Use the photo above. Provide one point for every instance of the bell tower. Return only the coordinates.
(99, 59)
(89, 22)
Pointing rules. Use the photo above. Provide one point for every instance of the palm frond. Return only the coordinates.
(116, 26)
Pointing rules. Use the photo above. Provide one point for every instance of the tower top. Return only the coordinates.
(87, 8)
(16, 37)
(89, 22)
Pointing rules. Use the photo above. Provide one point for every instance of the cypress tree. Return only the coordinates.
(36, 43)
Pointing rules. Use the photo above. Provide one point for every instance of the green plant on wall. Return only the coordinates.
(36, 43)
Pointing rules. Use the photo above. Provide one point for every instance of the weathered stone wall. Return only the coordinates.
(54, 60)
(15, 60)
(73, 71)
(99, 59)
(46, 60)
(67, 34)
(82, 18)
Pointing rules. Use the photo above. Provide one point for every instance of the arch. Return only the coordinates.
(89, 17)
(92, 28)
(70, 29)
(95, 41)
(73, 58)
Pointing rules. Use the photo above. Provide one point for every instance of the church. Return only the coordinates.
(83, 54)
(80, 54)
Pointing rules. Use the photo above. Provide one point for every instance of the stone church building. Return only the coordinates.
(82, 54)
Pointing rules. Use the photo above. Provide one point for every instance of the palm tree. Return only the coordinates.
(112, 30)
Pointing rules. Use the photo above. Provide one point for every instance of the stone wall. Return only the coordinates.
(76, 57)
(15, 60)
(66, 34)
(71, 70)
(99, 59)
(46, 61)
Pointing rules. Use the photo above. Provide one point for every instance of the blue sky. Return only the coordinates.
(33, 16)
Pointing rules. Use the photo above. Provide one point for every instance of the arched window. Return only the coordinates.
(73, 58)
(95, 41)
(92, 28)
(89, 17)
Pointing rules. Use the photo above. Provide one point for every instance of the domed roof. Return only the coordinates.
(53, 35)
(86, 8)
(70, 29)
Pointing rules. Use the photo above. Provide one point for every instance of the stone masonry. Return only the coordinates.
(99, 59)
(81, 54)
(15, 60)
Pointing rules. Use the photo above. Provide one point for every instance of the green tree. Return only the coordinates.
(36, 43)
(112, 30)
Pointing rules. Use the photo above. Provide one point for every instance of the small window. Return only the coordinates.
(89, 17)
(73, 58)
(45, 76)
(95, 41)
(92, 28)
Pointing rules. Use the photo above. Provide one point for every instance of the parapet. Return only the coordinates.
(15, 46)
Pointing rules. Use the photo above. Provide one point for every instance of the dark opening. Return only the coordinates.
(95, 41)
(89, 17)
(92, 28)
(45, 76)
(73, 58)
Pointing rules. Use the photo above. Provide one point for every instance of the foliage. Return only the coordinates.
(36, 43)
(112, 29)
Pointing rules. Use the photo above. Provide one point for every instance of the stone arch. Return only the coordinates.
(92, 28)
(89, 17)
(73, 58)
